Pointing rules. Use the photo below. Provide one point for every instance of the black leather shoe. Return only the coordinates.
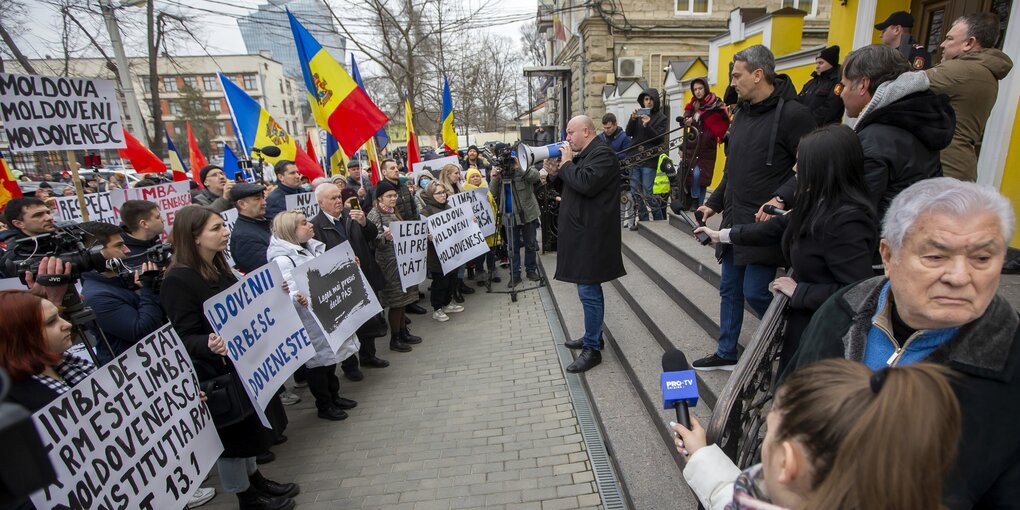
(332, 413)
(533, 276)
(374, 362)
(265, 458)
(579, 343)
(252, 499)
(457, 296)
(416, 309)
(587, 360)
(464, 288)
(280, 439)
(271, 488)
(514, 281)
(344, 403)
(408, 338)
(398, 346)
(354, 375)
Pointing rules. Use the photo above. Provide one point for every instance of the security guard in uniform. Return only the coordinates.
(896, 34)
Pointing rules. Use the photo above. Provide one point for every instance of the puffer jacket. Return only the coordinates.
(645, 137)
(288, 256)
(902, 130)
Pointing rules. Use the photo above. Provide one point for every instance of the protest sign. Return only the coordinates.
(304, 201)
(338, 293)
(169, 198)
(229, 220)
(410, 241)
(134, 434)
(434, 165)
(67, 209)
(457, 237)
(265, 338)
(480, 207)
(45, 113)
(12, 284)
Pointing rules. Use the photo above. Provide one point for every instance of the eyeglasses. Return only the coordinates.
(441, 192)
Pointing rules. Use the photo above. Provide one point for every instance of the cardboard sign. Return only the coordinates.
(304, 201)
(134, 434)
(265, 338)
(67, 209)
(480, 207)
(457, 238)
(339, 295)
(48, 113)
(169, 198)
(434, 165)
(411, 244)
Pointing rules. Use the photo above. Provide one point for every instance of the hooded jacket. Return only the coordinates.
(902, 130)
(760, 154)
(972, 83)
(820, 96)
(643, 137)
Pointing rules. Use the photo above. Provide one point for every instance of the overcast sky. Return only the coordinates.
(217, 27)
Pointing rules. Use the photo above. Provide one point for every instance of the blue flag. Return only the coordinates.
(229, 162)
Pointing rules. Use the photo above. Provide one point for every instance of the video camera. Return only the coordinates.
(67, 243)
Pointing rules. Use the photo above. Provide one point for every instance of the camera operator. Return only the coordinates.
(143, 224)
(26, 217)
(124, 316)
(525, 215)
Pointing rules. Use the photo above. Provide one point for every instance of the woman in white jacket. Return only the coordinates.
(291, 246)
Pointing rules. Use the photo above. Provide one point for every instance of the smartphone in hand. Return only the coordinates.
(353, 204)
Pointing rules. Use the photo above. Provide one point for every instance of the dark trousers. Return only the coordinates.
(366, 335)
(442, 289)
(324, 385)
(277, 415)
(480, 263)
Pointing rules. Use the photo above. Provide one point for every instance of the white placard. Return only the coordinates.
(229, 220)
(48, 113)
(265, 338)
(411, 244)
(169, 198)
(339, 295)
(457, 238)
(134, 434)
(480, 207)
(98, 204)
(435, 165)
(304, 201)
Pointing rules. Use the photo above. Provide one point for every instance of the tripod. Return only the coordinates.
(506, 213)
(80, 316)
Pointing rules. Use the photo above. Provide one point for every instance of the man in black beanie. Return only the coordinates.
(821, 94)
(216, 188)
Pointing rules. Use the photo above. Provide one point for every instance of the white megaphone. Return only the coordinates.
(528, 155)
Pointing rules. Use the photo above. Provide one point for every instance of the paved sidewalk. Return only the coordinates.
(477, 416)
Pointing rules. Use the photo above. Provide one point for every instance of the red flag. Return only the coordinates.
(143, 160)
(8, 185)
(375, 175)
(195, 157)
(311, 148)
(307, 166)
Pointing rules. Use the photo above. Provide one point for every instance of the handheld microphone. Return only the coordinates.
(679, 386)
(271, 151)
(773, 210)
(702, 237)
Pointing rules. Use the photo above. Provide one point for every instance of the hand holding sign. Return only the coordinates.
(217, 345)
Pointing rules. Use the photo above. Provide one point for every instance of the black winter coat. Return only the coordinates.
(138, 248)
(183, 295)
(589, 217)
(249, 242)
(820, 97)
(361, 242)
(901, 144)
(644, 137)
(757, 137)
(986, 352)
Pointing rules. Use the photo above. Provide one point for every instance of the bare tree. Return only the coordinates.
(12, 13)
(532, 44)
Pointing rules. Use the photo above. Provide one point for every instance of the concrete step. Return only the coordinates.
(650, 475)
(675, 240)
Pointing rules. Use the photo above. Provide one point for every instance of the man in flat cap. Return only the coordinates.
(896, 35)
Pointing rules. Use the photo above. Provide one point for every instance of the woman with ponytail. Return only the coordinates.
(840, 437)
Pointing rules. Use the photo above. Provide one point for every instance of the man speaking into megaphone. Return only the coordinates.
(588, 179)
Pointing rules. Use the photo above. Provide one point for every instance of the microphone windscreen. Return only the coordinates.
(680, 119)
(674, 361)
(271, 151)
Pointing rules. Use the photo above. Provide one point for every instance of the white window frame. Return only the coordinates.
(811, 13)
(209, 83)
(689, 11)
(218, 108)
(169, 83)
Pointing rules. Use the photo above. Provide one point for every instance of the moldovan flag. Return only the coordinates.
(255, 128)
(176, 162)
(413, 156)
(195, 157)
(338, 104)
(381, 137)
(143, 160)
(335, 157)
(449, 135)
(8, 185)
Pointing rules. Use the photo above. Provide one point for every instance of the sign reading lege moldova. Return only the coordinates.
(457, 237)
(265, 338)
(339, 295)
(411, 244)
(304, 201)
(43, 113)
(134, 434)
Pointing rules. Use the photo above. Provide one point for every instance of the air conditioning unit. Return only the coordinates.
(629, 67)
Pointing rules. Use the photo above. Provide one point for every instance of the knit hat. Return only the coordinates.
(384, 186)
(205, 171)
(830, 55)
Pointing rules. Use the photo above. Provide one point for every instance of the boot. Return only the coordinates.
(408, 338)
(252, 499)
(457, 296)
(396, 344)
(463, 287)
(271, 488)
(471, 272)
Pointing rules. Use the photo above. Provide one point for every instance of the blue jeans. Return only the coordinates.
(642, 181)
(524, 236)
(594, 304)
(697, 192)
(749, 282)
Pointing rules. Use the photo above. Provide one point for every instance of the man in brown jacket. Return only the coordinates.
(969, 74)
